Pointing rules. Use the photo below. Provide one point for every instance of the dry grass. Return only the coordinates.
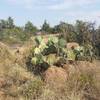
(16, 83)
(7, 58)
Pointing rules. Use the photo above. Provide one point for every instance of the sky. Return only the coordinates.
(53, 11)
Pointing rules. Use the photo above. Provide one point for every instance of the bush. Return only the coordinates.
(33, 89)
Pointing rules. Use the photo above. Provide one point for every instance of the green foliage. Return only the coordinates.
(88, 52)
(10, 23)
(51, 59)
(71, 55)
(67, 31)
(46, 27)
(33, 89)
(15, 35)
(54, 50)
(6, 24)
(79, 51)
(3, 24)
(38, 59)
(62, 43)
(38, 39)
(82, 32)
(47, 52)
(10, 33)
(30, 28)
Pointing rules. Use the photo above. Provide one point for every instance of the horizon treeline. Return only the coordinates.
(81, 32)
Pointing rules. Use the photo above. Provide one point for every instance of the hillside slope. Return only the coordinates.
(17, 83)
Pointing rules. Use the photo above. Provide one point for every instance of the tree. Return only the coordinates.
(3, 24)
(67, 31)
(6, 24)
(0, 26)
(46, 27)
(56, 29)
(10, 22)
(85, 31)
(30, 28)
(97, 41)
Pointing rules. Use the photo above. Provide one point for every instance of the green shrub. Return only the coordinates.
(33, 89)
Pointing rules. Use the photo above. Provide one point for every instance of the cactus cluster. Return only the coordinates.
(51, 50)
(48, 50)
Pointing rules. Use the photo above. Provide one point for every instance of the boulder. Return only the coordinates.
(72, 44)
(55, 76)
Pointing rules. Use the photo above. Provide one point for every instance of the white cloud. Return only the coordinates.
(88, 15)
(68, 6)
(20, 1)
(52, 4)
(24, 3)
(85, 16)
(71, 4)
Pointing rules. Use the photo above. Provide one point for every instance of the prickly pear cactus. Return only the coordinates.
(38, 39)
(51, 59)
(52, 50)
(47, 49)
(37, 59)
(71, 55)
(62, 43)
